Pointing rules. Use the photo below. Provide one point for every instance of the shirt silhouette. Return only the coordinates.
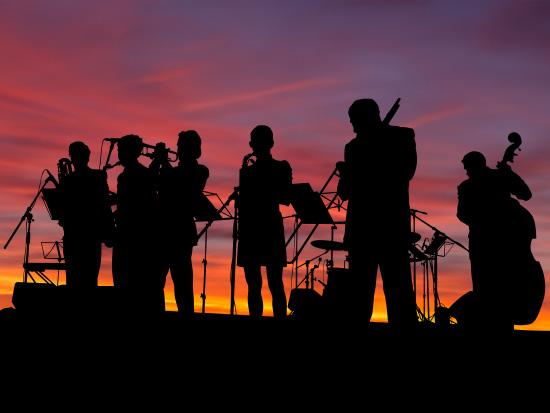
(135, 253)
(374, 178)
(262, 187)
(86, 218)
(496, 224)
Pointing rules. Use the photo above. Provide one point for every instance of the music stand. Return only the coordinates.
(205, 211)
(310, 209)
(308, 205)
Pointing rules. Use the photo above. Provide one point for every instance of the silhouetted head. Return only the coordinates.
(474, 163)
(364, 115)
(80, 154)
(261, 140)
(189, 145)
(129, 148)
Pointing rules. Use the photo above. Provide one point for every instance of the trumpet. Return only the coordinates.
(150, 151)
(153, 151)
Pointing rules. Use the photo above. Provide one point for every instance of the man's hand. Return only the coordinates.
(341, 167)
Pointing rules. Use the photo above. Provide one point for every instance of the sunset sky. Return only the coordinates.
(468, 73)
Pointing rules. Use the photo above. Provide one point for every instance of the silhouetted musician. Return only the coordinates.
(179, 192)
(263, 186)
(374, 178)
(86, 218)
(134, 252)
(495, 226)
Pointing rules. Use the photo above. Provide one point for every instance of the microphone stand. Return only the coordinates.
(235, 234)
(440, 232)
(28, 218)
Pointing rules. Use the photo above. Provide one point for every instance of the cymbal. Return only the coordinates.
(417, 255)
(326, 244)
(414, 237)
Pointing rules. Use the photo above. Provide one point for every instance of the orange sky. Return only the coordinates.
(467, 74)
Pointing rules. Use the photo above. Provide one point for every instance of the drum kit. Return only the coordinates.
(306, 302)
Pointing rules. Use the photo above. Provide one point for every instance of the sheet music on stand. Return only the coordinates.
(52, 201)
(308, 205)
(205, 211)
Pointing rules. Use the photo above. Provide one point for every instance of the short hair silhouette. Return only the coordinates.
(130, 145)
(474, 160)
(191, 141)
(261, 136)
(364, 109)
(79, 152)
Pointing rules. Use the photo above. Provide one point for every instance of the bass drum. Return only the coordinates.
(336, 295)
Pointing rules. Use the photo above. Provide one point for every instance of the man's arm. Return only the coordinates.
(344, 185)
(108, 223)
(286, 183)
(515, 184)
(463, 210)
(204, 174)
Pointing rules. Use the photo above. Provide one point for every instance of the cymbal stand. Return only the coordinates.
(440, 240)
(309, 279)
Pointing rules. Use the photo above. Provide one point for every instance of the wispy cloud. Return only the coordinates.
(258, 94)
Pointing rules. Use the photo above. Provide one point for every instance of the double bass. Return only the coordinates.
(529, 284)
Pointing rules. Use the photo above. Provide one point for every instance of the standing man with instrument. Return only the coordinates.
(506, 278)
(179, 192)
(86, 216)
(263, 185)
(135, 255)
(374, 178)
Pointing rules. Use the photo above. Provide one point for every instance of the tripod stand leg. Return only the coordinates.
(205, 263)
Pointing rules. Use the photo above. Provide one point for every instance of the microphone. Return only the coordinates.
(111, 139)
(52, 178)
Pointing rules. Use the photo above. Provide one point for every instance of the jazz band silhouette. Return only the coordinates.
(153, 228)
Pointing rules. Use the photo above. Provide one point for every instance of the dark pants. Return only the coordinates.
(82, 259)
(395, 269)
(253, 277)
(178, 262)
(135, 274)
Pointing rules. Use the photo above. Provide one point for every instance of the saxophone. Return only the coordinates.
(64, 168)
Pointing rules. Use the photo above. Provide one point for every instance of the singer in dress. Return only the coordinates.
(264, 184)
